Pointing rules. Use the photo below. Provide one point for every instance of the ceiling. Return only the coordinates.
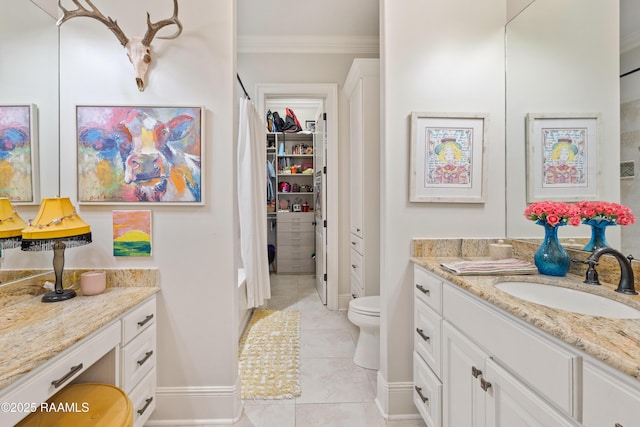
(629, 24)
(353, 25)
(338, 25)
(306, 26)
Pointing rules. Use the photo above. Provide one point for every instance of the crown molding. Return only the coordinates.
(630, 41)
(308, 44)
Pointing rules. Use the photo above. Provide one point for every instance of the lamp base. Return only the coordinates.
(53, 296)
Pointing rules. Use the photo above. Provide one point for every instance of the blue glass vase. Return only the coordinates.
(551, 258)
(598, 237)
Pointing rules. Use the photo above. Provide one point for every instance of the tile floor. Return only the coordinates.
(335, 391)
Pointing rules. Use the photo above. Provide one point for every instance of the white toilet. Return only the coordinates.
(364, 312)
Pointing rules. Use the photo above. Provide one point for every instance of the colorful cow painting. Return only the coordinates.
(139, 154)
(17, 152)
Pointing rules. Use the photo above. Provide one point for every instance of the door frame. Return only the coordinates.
(329, 93)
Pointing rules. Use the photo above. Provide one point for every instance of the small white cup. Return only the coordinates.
(93, 282)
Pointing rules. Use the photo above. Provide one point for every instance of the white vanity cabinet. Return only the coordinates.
(59, 372)
(362, 87)
(463, 367)
(138, 359)
(427, 339)
(494, 371)
(121, 353)
(609, 399)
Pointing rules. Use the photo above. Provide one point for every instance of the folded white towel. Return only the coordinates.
(495, 267)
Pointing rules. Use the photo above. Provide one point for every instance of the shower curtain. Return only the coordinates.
(252, 199)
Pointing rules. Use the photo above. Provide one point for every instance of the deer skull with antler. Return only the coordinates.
(138, 48)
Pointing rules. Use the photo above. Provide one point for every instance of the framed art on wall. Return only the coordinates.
(19, 153)
(447, 157)
(562, 157)
(132, 233)
(134, 154)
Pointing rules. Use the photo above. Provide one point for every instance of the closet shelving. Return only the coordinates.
(291, 205)
(294, 164)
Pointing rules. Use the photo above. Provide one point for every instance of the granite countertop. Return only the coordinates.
(615, 342)
(33, 332)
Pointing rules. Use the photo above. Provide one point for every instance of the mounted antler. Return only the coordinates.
(152, 28)
(138, 48)
(95, 14)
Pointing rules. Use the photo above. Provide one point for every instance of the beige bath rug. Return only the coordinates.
(269, 355)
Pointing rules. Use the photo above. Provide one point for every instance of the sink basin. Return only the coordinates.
(569, 300)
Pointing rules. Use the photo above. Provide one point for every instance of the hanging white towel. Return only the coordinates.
(251, 203)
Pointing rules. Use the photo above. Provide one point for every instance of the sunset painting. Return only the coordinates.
(132, 233)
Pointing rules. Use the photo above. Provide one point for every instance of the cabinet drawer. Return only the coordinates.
(427, 392)
(68, 366)
(138, 320)
(295, 217)
(295, 238)
(143, 398)
(289, 265)
(138, 358)
(427, 335)
(356, 243)
(548, 368)
(294, 227)
(356, 264)
(428, 288)
(357, 284)
(607, 400)
(301, 253)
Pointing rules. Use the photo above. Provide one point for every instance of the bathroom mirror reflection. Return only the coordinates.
(29, 75)
(562, 57)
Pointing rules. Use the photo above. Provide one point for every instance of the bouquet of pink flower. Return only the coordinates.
(613, 213)
(553, 213)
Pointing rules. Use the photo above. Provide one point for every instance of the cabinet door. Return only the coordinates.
(608, 402)
(510, 403)
(355, 161)
(462, 372)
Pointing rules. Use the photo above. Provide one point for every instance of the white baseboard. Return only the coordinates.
(343, 301)
(196, 406)
(395, 400)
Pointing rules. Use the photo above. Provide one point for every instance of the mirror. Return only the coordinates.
(561, 57)
(630, 120)
(29, 75)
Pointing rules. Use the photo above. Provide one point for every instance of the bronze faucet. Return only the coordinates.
(626, 284)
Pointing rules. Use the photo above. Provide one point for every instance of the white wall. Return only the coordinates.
(437, 57)
(194, 247)
(256, 68)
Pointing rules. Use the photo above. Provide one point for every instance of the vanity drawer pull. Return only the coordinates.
(419, 391)
(619, 425)
(421, 333)
(146, 405)
(485, 385)
(146, 320)
(146, 357)
(423, 289)
(57, 383)
(475, 372)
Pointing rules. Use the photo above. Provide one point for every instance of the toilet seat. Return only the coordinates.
(366, 306)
